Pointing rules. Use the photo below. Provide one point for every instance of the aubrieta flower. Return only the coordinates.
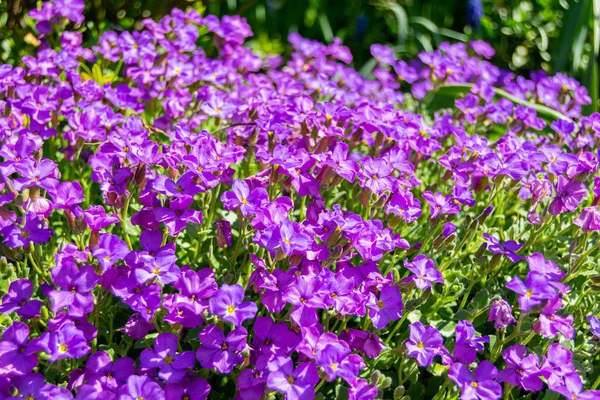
(141, 387)
(521, 370)
(247, 200)
(424, 343)
(75, 286)
(296, 383)
(588, 220)
(573, 388)
(467, 344)
(17, 353)
(533, 292)
(508, 248)
(18, 299)
(228, 303)
(66, 342)
(479, 385)
(221, 352)
(171, 365)
(440, 204)
(424, 272)
(568, 196)
(33, 231)
(501, 314)
(385, 307)
(594, 325)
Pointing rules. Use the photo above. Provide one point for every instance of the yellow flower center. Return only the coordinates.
(230, 309)
(291, 380)
(474, 385)
(333, 366)
(63, 348)
(380, 304)
(168, 359)
(529, 293)
(420, 345)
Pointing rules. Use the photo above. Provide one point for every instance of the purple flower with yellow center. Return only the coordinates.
(440, 204)
(18, 298)
(336, 361)
(376, 175)
(424, 272)
(110, 250)
(100, 370)
(424, 343)
(533, 292)
(247, 200)
(228, 304)
(388, 307)
(479, 385)
(220, 352)
(66, 342)
(508, 248)
(198, 389)
(521, 370)
(296, 384)
(171, 365)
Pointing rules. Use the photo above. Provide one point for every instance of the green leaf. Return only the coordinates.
(481, 299)
(341, 392)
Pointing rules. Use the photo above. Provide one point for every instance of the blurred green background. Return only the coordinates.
(551, 35)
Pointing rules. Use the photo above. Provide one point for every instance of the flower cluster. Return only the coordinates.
(181, 218)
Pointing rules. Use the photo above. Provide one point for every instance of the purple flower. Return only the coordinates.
(247, 200)
(501, 314)
(424, 343)
(198, 389)
(440, 204)
(18, 299)
(404, 205)
(228, 304)
(467, 344)
(550, 323)
(17, 355)
(568, 196)
(171, 365)
(573, 389)
(521, 369)
(220, 352)
(110, 250)
(296, 384)
(508, 248)
(336, 361)
(533, 292)
(479, 385)
(102, 371)
(75, 288)
(178, 215)
(67, 342)
(594, 325)
(33, 231)
(306, 295)
(424, 272)
(223, 233)
(375, 175)
(141, 387)
(588, 219)
(272, 338)
(33, 386)
(388, 307)
(557, 363)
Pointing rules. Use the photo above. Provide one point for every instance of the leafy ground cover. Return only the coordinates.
(183, 219)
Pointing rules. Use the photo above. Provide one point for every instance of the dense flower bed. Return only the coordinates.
(181, 218)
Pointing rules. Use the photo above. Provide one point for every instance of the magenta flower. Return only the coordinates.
(75, 288)
(66, 342)
(467, 344)
(178, 215)
(228, 304)
(33, 231)
(508, 248)
(588, 219)
(171, 365)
